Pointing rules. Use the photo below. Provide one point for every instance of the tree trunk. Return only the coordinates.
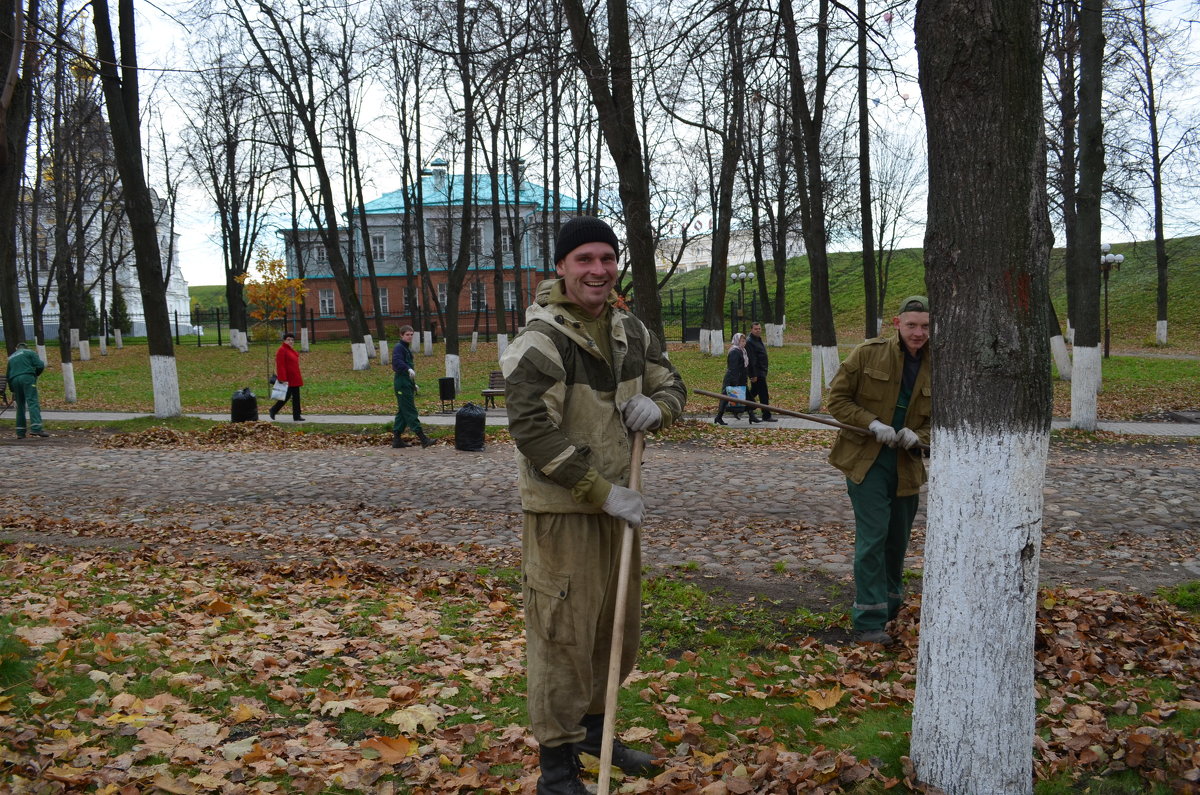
(871, 305)
(986, 254)
(121, 99)
(1156, 178)
(1084, 265)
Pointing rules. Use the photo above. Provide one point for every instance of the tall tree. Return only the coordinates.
(986, 251)
(18, 53)
(871, 305)
(119, 80)
(610, 80)
(1083, 269)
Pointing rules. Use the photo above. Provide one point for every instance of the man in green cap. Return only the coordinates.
(24, 367)
(883, 385)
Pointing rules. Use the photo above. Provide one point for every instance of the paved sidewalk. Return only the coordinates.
(497, 417)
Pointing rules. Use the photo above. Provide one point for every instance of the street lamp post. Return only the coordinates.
(1107, 262)
(739, 277)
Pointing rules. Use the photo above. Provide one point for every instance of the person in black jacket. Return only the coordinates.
(737, 372)
(757, 391)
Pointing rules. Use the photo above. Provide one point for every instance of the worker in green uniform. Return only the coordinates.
(24, 367)
(579, 380)
(884, 385)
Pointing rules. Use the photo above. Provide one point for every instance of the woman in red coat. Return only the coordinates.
(287, 370)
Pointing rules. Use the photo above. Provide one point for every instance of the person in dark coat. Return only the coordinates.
(24, 367)
(757, 391)
(737, 373)
(404, 384)
(287, 370)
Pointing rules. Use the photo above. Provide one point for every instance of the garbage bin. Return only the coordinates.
(468, 428)
(446, 392)
(243, 407)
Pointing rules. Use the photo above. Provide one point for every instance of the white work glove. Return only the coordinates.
(884, 434)
(641, 413)
(412, 374)
(907, 438)
(625, 504)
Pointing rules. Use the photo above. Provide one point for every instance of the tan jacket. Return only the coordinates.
(866, 388)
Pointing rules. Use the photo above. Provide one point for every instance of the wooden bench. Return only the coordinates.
(495, 389)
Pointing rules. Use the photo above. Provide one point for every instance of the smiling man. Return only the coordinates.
(581, 377)
(883, 385)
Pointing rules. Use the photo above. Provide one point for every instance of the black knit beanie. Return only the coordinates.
(580, 230)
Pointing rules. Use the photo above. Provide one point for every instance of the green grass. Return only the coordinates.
(1185, 596)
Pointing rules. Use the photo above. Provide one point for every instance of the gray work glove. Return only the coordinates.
(907, 438)
(884, 434)
(412, 374)
(641, 413)
(625, 504)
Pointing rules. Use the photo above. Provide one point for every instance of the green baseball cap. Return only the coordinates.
(914, 303)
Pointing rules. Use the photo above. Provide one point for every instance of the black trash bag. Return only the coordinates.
(468, 428)
(244, 406)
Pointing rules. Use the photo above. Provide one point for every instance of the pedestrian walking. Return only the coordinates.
(287, 370)
(759, 365)
(883, 385)
(24, 367)
(404, 384)
(581, 377)
(737, 373)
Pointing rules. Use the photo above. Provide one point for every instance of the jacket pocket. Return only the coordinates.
(875, 384)
(546, 608)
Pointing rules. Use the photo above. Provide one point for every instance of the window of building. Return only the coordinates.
(477, 240)
(325, 299)
(478, 296)
(505, 242)
(410, 300)
(378, 250)
(441, 238)
(510, 296)
(383, 301)
(320, 254)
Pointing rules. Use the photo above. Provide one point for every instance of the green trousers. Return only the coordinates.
(25, 394)
(570, 565)
(406, 404)
(882, 525)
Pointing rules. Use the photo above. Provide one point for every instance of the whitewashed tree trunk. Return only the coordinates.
(68, 376)
(974, 699)
(103, 345)
(233, 339)
(1085, 385)
(74, 339)
(41, 352)
(164, 377)
(774, 335)
(85, 350)
(1160, 332)
(117, 339)
(427, 343)
(369, 343)
(1070, 333)
(501, 345)
(474, 341)
(454, 370)
(358, 356)
(716, 341)
(304, 339)
(824, 368)
(1062, 360)
(383, 351)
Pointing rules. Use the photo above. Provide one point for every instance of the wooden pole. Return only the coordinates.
(618, 633)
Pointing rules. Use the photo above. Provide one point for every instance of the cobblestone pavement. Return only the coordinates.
(1121, 516)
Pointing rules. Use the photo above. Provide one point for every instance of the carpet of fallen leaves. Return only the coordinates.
(262, 676)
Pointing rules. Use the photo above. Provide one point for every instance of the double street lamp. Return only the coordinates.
(1107, 262)
(738, 276)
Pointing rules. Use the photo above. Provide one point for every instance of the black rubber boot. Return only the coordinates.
(631, 761)
(425, 440)
(397, 441)
(560, 772)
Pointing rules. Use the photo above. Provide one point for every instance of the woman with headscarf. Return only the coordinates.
(737, 371)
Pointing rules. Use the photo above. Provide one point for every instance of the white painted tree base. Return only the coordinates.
(74, 339)
(117, 337)
(41, 352)
(774, 335)
(85, 350)
(824, 367)
(427, 343)
(501, 345)
(383, 351)
(68, 376)
(716, 341)
(975, 686)
(1085, 385)
(454, 370)
(1062, 359)
(474, 341)
(304, 339)
(1160, 332)
(358, 356)
(369, 344)
(103, 346)
(164, 378)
